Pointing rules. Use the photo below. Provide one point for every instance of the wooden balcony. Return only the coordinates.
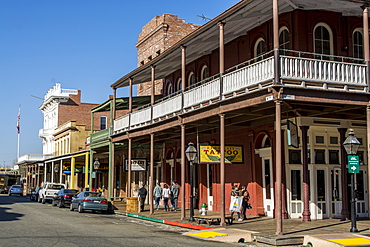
(298, 69)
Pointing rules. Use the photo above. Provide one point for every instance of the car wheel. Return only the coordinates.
(80, 209)
(43, 200)
(53, 203)
(60, 204)
(71, 207)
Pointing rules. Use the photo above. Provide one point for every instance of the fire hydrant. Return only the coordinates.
(203, 209)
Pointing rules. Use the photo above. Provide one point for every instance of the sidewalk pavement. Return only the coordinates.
(261, 226)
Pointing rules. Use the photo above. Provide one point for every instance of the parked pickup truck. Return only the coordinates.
(48, 190)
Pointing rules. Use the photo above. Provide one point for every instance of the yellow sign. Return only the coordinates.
(211, 154)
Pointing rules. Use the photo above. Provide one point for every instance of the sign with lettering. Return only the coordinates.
(292, 133)
(210, 154)
(353, 164)
(136, 165)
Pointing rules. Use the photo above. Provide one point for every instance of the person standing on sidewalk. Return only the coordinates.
(166, 193)
(142, 195)
(235, 202)
(245, 201)
(157, 193)
(174, 195)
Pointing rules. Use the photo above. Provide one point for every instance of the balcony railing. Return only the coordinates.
(297, 69)
(100, 135)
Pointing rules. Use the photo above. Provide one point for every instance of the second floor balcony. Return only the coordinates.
(297, 69)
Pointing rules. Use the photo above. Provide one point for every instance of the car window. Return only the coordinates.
(93, 194)
(16, 186)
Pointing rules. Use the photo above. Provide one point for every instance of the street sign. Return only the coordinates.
(353, 164)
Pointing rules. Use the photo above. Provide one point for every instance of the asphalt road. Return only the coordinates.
(27, 223)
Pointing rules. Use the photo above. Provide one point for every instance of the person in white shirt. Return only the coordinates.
(166, 193)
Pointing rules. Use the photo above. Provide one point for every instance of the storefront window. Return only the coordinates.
(321, 185)
(296, 184)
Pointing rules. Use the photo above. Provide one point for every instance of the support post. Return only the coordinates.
(129, 168)
(222, 169)
(151, 176)
(278, 149)
(306, 185)
(86, 170)
(182, 189)
(343, 162)
(73, 167)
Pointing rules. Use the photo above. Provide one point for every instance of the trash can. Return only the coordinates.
(132, 204)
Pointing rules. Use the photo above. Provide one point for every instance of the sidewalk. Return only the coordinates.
(264, 227)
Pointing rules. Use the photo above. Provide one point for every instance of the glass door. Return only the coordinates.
(321, 194)
(268, 190)
(336, 193)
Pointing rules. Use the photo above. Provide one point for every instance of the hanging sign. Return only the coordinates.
(136, 165)
(292, 133)
(210, 154)
(353, 164)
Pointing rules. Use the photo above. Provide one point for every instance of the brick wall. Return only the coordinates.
(156, 36)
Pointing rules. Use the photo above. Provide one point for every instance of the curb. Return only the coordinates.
(168, 222)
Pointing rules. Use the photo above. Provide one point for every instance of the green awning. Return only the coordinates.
(122, 103)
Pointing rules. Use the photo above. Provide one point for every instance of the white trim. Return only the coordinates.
(322, 24)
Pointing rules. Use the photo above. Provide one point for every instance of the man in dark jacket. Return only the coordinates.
(174, 195)
(142, 195)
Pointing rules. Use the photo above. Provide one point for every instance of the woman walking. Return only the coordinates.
(166, 193)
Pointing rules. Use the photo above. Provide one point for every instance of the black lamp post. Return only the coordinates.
(351, 144)
(191, 154)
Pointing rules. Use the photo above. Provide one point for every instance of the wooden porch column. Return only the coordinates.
(52, 172)
(183, 67)
(222, 47)
(368, 147)
(86, 170)
(38, 175)
(152, 94)
(306, 185)
(73, 165)
(130, 96)
(91, 186)
(182, 188)
(45, 170)
(275, 9)
(278, 211)
(222, 169)
(366, 43)
(129, 168)
(343, 167)
(151, 176)
(110, 171)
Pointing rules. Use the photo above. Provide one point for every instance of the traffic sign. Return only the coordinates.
(353, 164)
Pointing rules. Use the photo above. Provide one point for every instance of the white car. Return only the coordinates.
(48, 191)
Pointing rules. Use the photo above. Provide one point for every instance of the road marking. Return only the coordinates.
(350, 241)
(208, 234)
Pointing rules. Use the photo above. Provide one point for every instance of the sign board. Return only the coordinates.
(210, 154)
(292, 133)
(137, 165)
(353, 164)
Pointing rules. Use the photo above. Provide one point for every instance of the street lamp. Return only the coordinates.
(96, 167)
(351, 144)
(191, 154)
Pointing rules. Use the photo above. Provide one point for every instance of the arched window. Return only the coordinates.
(259, 47)
(323, 39)
(179, 84)
(169, 89)
(204, 74)
(358, 43)
(266, 142)
(191, 79)
(284, 42)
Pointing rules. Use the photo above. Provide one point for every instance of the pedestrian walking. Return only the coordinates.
(157, 194)
(166, 193)
(235, 203)
(174, 194)
(142, 195)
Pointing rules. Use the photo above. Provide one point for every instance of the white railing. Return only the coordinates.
(250, 75)
(168, 106)
(202, 93)
(121, 123)
(322, 70)
(141, 116)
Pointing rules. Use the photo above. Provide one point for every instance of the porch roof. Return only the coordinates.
(239, 19)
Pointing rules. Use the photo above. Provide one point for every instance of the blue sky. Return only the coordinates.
(83, 44)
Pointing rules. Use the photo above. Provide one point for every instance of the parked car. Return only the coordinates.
(89, 201)
(63, 197)
(48, 190)
(35, 194)
(15, 189)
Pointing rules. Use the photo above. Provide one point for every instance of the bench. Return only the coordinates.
(212, 219)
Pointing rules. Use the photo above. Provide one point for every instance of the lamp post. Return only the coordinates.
(351, 144)
(96, 167)
(191, 154)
